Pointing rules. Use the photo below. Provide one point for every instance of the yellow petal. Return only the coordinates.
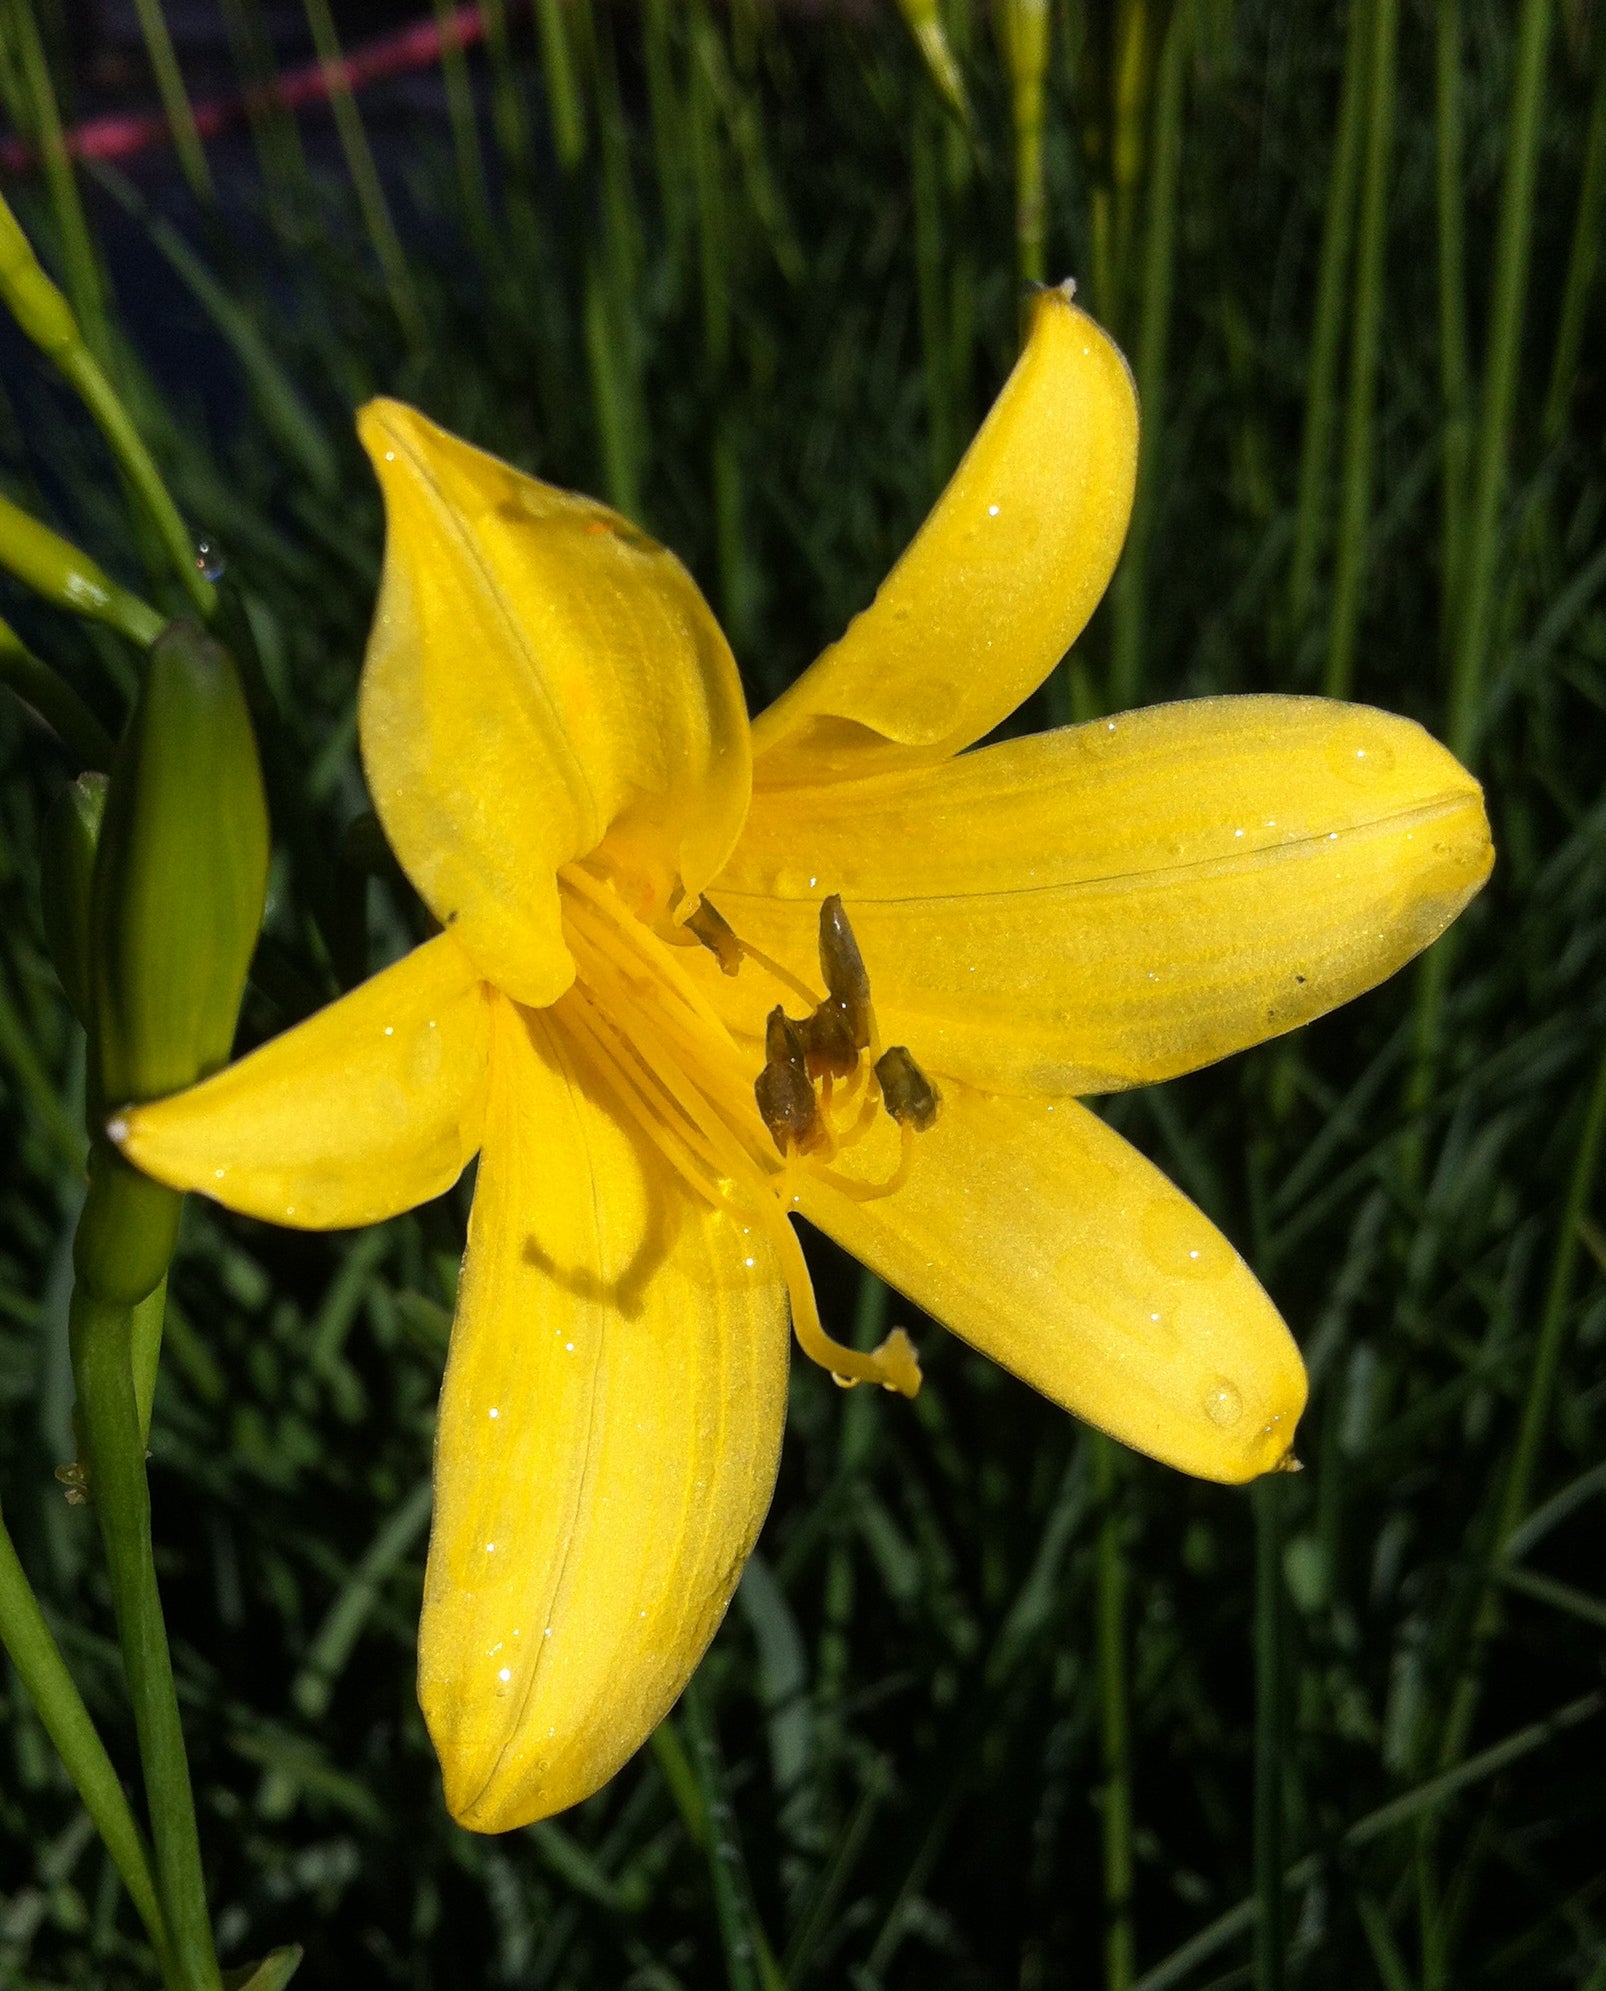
(541, 678)
(1113, 904)
(999, 581)
(367, 1108)
(606, 1448)
(1031, 1229)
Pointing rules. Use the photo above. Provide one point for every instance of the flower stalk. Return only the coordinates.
(46, 318)
(100, 1334)
(56, 1700)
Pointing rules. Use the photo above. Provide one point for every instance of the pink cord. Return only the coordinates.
(119, 135)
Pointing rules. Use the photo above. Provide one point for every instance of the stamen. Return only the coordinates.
(910, 1096)
(863, 1123)
(785, 1097)
(846, 979)
(828, 1041)
(871, 1192)
(687, 1128)
(781, 974)
(657, 1117)
(714, 931)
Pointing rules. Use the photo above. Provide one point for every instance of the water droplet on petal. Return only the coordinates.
(1223, 1404)
(1361, 755)
(1182, 1243)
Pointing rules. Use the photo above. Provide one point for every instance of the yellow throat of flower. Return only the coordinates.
(688, 1084)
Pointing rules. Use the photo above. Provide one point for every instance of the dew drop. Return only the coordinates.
(1223, 1405)
(209, 561)
(1361, 756)
(1182, 1244)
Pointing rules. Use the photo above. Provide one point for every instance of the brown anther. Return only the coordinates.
(908, 1095)
(842, 966)
(785, 1094)
(828, 1042)
(711, 928)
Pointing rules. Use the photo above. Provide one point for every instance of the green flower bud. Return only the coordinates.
(180, 875)
(126, 1230)
(66, 867)
(36, 304)
(63, 575)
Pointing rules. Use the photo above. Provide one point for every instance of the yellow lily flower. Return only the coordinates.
(556, 741)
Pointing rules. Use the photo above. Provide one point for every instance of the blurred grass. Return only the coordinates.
(994, 1707)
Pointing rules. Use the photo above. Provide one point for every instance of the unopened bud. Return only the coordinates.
(66, 869)
(34, 301)
(61, 574)
(180, 876)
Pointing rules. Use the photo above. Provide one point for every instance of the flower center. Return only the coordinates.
(675, 1067)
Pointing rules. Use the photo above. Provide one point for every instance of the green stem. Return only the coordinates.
(1321, 378)
(1355, 502)
(44, 315)
(1510, 293)
(1423, 1801)
(465, 130)
(82, 266)
(60, 1707)
(145, 1354)
(1454, 369)
(1582, 259)
(1549, 1344)
(609, 395)
(1027, 23)
(1473, 578)
(100, 1335)
(1154, 323)
(749, 1963)
(562, 86)
(62, 710)
(175, 101)
(375, 209)
(1270, 1930)
(274, 133)
(930, 273)
(1110, 1617)
(616, 274)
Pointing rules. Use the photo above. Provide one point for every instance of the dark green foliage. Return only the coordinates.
(764, 306)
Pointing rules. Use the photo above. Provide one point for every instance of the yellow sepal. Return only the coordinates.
(1110, 905)
(368, 1108)
(1051, 1245)
(997, 584)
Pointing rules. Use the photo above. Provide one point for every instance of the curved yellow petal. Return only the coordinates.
(1116, 903)
(607, 1442)
(999, 581)
(1031, 1229)
(368, 1108)
(542, 679)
